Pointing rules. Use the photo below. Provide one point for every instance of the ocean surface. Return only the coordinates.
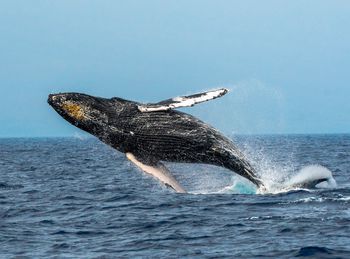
(78, 198)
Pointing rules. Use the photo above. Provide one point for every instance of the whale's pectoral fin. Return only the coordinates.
(182, 101)
(158, 171)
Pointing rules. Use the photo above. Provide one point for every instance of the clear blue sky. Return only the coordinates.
(287, 62)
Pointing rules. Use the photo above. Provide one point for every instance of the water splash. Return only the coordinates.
(80, 136)
(277, 176)
(313, 173)
(278, 173)
(239, 187)
(309, 177)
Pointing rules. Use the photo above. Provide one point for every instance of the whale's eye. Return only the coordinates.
(74, 110)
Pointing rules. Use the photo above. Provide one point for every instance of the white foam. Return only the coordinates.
(313, 173)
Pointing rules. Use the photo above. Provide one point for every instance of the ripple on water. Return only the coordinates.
(80, 199)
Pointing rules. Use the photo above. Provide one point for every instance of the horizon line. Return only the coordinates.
(233, 134)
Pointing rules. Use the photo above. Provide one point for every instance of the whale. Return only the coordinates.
(153, 133)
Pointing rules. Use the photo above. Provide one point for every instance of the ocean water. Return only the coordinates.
(78, 198)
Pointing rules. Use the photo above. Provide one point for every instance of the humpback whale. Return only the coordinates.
(154, 132)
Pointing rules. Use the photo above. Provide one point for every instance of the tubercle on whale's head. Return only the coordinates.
(86, 112)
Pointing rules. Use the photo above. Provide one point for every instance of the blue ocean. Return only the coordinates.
(78, 198)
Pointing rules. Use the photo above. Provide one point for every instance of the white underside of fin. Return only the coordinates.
(160, 172)
(183, 101)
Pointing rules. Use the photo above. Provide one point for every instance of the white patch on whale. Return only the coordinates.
(182, 101)
(159, 172)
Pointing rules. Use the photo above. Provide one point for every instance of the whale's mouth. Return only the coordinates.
(83, 111)
(56, 100)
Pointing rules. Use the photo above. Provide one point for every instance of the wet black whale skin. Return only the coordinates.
(170, 135)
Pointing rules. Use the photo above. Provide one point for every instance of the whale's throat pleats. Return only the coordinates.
(159, 171)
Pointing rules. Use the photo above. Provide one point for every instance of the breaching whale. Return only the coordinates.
(155, 132)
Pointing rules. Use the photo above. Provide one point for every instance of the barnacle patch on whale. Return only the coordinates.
(74, 110)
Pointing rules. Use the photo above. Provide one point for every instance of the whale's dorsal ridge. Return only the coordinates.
(182, 101)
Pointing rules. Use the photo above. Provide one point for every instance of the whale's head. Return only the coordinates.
(89, 113)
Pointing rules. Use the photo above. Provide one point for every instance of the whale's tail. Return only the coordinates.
(244, 169)
(232, 159)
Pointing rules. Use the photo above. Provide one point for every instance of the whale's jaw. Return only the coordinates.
(83, 111)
